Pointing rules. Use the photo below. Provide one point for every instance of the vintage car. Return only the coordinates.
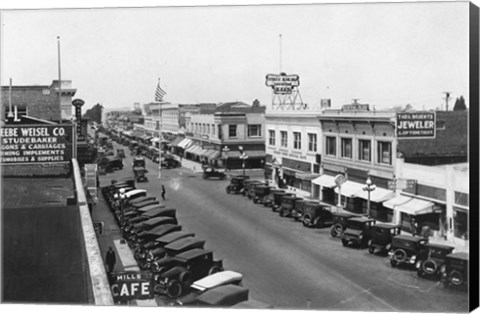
(339, 222)
(152, 153)
(136, 215)
(382, 235)
(120, 153)
(210, 172)
(172, 249)
(222, 296)
(110, 163)
(269, 199)
(261, 192)
(170, 162)
(141, 252)
(315, 215)
(140, 229)
(236, 184)
(455, 271)
(226, 277)
(288, 205)
(140, 174)
(138, 162)
(249, 187)
(405, 249)
(175, 274)
(277, 199)
(358, 231)
(432, 259)
(132, 145)
(148, 236)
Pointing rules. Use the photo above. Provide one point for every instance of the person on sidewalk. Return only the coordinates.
(163, 192)
(110, 260)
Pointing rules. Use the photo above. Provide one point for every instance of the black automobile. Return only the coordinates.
(382, 235)
(221, 296)
(141, 240)
(432, 259)
(249, 187)
(455, 272)
(236, 184)
(141, 252)
(405, 249)
(277, 199)
(261, 192)
(110, 163)
(269, 199)
(315, 215)
(339, 223)
(139, 229)
(358, 231)
(169, 162)
(172, 249)
(210, 172)
(288, 205)
(174, 275)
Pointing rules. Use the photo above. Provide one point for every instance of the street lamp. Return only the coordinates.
(120, 196)
(369, 187)
(225, 151)
(243, 157)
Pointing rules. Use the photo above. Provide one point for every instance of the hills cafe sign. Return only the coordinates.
(282, 83)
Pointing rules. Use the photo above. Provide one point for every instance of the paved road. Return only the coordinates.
(285, 264)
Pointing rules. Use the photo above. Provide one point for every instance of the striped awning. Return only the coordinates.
(176, 141)
(214, 155)
(192, 149)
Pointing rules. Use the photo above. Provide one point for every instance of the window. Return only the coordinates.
(297, 140)
(364, 150)
(232, 130)
(254, 130)
(346, 147)
(271, 137)
(385, 153)
(283, 139)
(312, 142)
(331, 146)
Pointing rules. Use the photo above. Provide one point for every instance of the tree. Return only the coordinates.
(400, 108)
(460, 104)
(256, 103)
(95, 113)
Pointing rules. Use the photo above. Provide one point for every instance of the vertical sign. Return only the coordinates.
(78, 103)
(416, 125)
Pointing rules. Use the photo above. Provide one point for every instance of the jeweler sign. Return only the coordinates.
(27, 144)
(416, 125)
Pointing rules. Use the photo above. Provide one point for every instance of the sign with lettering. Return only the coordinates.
(26, 144)
(78, 103)
(282, 83)
(127, 286)
(416, 125)
(355, 107)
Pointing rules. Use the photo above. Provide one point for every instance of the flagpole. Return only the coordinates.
(160, 137)
(59, 81)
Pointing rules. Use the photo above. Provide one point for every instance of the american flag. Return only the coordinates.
(159, 93)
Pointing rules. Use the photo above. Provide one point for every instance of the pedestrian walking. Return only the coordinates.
(110, 260)
(413, 226)
(163, 192)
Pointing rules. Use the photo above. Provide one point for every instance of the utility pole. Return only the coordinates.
(447, 97)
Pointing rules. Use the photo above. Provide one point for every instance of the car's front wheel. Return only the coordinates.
(344, 242)
(371, 250)
(393, 263)
(174, 289)
(307, 220)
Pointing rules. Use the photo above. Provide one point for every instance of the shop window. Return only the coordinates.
(312, 142)
(306, 185)
(346, 144)
(283, 139)
(385, 153)
(271, 137)
(364, 150)
(331, 146)
(460, 220)
(297, 140)
(232, 130)
(254, 130)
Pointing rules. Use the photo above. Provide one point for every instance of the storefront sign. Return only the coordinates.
(282, 83)
(78, 103)
(355, 107)
(340, 179)
(36, 144)
(127, 286)
(416, 125)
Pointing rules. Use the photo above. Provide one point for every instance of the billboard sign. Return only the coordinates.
(131, 285)
(36, 144)
(282, 83)
(416, 125)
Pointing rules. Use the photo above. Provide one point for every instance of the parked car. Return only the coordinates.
(172, 249)
(140, 229)
(132, 145)
(236, 184)
(249, 187)
(382, 235)
(288, 205)
(269, 200)
(153, 234)
(432, 259)
(277, 199)
(315, 215)
(141, 252)
(358, 231)
(261, 192)
(455, 273)
(339, 223)
(405, 249)
(222, 278)
(170, 162)
(121, 153)
(174, 274)
(110, 163)
(222, 296)
(210, 172)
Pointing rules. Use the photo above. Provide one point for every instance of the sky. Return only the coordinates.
(384, 54)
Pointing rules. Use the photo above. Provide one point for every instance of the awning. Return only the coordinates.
(155, 139)
(378, 195)
(255, 153)
(214, 155)
(416, 207)
(234, 154)
(176, 141)
(208, 152)
(325, 180)
(397, 201)
(198, 151)
(185, 143)
(192, 148)
(350, 189)
(305, 175)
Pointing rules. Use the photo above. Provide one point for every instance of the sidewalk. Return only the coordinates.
(196, 167)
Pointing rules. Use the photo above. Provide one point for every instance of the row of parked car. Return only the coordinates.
(434, 261)
(183, 269)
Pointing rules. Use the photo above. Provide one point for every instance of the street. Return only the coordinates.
(284, 263)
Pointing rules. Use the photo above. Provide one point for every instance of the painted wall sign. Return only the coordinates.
(36, 144)
(128, 286)
(416, 125)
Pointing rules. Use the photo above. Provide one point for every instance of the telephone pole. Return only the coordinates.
(447, 97)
